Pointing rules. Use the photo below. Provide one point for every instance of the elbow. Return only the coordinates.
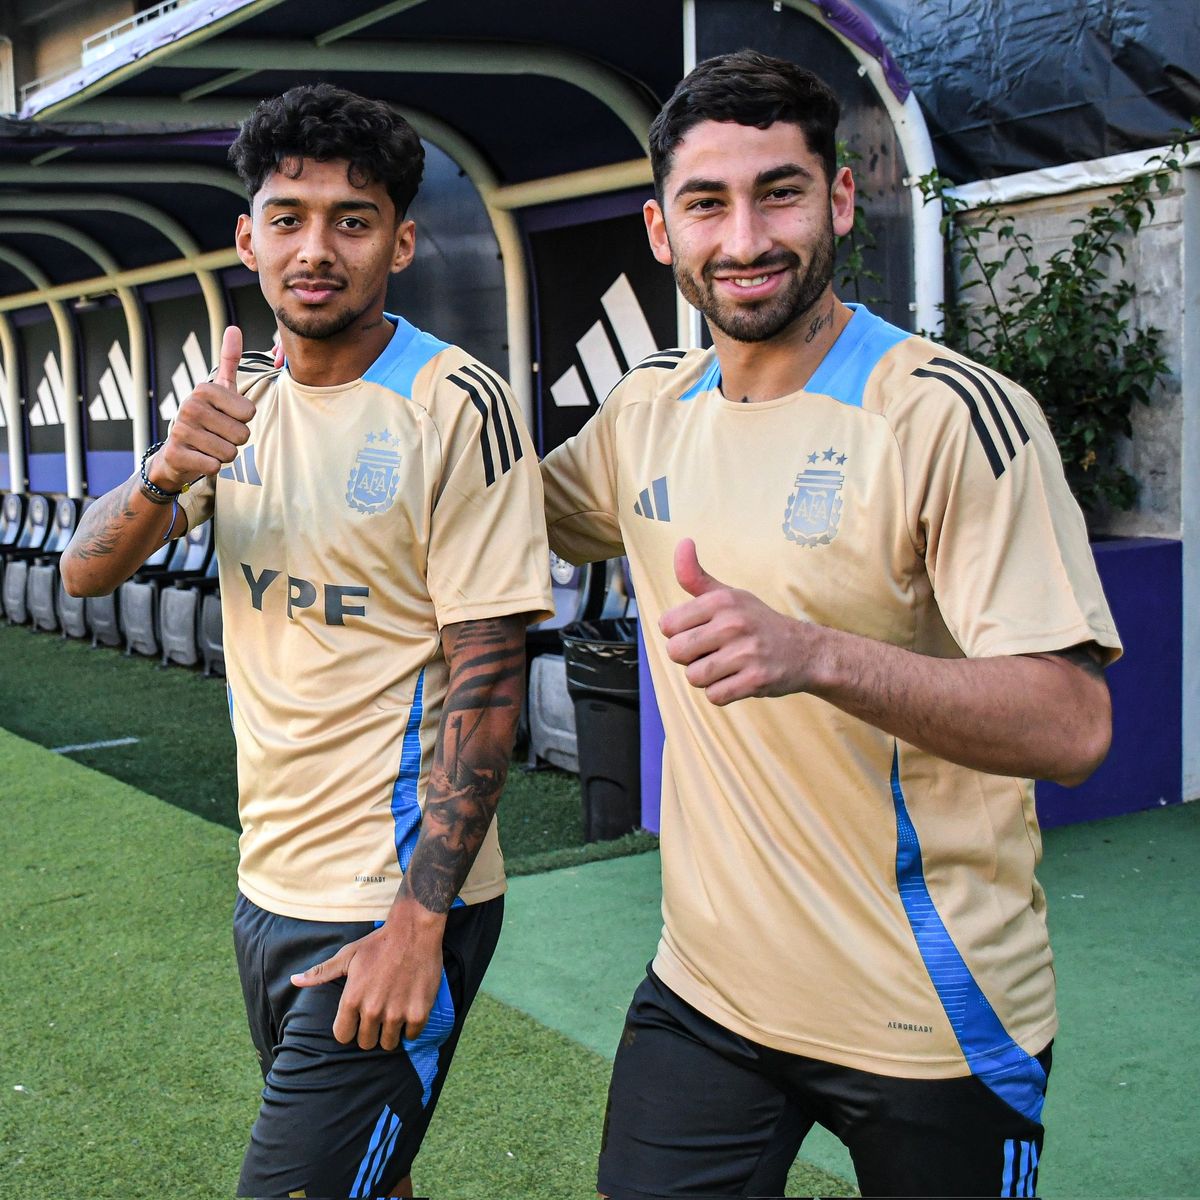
(74, 580)
(1089, 748)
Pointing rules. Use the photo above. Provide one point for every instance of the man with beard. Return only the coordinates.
(896, 627)
(381, 549)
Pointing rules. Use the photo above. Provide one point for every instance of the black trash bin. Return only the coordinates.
(602, 679)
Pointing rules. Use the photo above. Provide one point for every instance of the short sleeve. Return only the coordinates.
(580, 478)
(1004, 541)
(488, 555)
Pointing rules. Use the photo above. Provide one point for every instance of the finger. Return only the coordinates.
(231, 353)
(277, 350)
(216, 396)
(694, 643)
(368, 1030)
(327, 971)
(710, 670)
(412, 1028)
(200, 441)
(346, 1021)
(693, 578)
(390, 1033)
(689, 615)
(202, 417)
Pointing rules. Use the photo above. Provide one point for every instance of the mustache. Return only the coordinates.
(773, 260)
(318, 281)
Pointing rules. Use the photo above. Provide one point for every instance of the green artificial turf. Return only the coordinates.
(127, 1071)
(57, 692)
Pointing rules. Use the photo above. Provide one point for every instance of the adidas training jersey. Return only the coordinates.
(829, 890)
(356, 522)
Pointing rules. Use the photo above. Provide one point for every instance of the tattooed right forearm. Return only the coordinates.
(115, 536)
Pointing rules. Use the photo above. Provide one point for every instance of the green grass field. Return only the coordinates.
(127, 1070)
(185, 752)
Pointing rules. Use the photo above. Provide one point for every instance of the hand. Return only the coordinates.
(392, 978)
(732, 644)
(210, 426)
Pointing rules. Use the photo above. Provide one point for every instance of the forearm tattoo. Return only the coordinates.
(107, 523)
(479, 721)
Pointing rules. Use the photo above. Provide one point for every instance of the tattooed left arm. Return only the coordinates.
(393, 974)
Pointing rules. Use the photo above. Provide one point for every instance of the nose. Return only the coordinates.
(316, 248)
(746, 234)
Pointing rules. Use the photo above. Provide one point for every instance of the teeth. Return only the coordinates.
(751, 282)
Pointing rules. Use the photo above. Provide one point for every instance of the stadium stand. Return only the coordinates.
(179, 608)
(43, 571)
(12, 516)
(138, 607)
(35, 531)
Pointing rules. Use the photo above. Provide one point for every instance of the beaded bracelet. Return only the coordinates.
(151, 490)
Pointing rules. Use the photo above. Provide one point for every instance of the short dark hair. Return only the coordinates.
(747, 88)
(324, 122)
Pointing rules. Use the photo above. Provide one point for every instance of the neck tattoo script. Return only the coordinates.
(818, 323)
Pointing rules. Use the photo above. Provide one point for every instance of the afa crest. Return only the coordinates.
(814, 509)
(375, 475)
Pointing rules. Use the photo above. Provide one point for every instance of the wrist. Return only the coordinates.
(409, 912)
(157, 483)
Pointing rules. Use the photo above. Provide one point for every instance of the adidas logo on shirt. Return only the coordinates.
(652, 502)
(242, 469)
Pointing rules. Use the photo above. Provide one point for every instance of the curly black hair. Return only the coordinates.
(324, 122)
(748, 88)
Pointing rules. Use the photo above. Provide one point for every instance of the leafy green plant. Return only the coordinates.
(1061, 326)
(853, 274)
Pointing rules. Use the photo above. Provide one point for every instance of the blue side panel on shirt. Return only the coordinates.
(993, 1057)
(844, 371)
(406, 807)
(403, 357)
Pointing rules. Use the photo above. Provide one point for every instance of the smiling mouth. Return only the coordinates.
(314, 286)
(749, 281)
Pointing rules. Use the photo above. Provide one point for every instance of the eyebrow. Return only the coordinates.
(340, 206)
(763, 179)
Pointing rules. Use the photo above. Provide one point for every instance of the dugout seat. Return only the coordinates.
(179, 608)
(138, 606)
(210, 633)
(550, 716)
(103, 612)
(35, 530)
(72, 618)
(12, 517)
(43, 571)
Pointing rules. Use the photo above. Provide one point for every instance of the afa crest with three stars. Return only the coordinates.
(375, 475)
(814, 509)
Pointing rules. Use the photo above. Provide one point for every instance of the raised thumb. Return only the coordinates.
(693, 578)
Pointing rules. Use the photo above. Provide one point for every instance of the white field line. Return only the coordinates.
(129, 741)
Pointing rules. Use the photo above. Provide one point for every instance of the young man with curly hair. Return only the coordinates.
(381, 549)
(896, 626)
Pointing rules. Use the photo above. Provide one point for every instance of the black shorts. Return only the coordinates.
(337, 1120)
(695, 1110)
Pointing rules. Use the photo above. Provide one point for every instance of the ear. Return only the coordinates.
(244, 241)
(656, 231)
(841, 200)
(405, 246)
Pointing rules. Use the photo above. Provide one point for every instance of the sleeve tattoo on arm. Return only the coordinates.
(479, 721)
(104, 524)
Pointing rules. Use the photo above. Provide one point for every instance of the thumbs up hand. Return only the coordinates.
(732, 644)
(212, 423)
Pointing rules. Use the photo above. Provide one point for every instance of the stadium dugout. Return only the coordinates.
(117, 207)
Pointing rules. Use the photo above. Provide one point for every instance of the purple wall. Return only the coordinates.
(1143, 580)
